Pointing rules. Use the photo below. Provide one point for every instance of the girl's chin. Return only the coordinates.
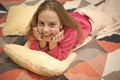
(47, 39)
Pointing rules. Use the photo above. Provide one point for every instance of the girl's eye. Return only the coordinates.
(52, 24)
(40, 23)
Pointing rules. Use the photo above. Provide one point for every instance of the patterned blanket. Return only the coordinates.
(97, 60)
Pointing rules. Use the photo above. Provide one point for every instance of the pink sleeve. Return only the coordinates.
(84, 24)
(64, 47)
(34, 44)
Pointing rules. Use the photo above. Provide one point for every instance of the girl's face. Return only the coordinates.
(48, 24)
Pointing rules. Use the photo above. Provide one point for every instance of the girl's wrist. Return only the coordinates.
(42, 44)
(52, 45)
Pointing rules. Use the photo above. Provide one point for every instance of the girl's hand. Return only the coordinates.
(58, 37)
(37, 35)
(42, 42)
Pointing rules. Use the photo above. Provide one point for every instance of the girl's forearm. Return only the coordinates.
(52, 45)
(42, 44)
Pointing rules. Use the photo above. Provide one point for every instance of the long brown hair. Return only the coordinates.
(65, 19)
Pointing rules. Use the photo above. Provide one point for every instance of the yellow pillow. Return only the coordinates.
(37, 61)
(18, 19)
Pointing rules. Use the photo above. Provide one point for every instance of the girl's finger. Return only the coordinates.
(62, 31)
(36, 33)
(53, 39)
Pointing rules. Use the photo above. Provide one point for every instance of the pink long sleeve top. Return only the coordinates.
(70, 40)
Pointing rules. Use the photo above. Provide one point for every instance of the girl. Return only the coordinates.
(56, 32)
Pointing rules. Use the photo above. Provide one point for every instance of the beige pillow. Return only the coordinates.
(112, 8)
(18, 19)
(36, 61)
(99, 19)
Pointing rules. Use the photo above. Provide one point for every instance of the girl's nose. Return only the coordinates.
(46, 28)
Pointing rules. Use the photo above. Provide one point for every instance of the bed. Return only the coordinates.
(97, 58)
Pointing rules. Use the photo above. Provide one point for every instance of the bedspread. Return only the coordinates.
(98, 59)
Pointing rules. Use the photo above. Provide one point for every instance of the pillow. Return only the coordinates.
(37, 61)
(18, 19)
(112, 8)
(98, 19)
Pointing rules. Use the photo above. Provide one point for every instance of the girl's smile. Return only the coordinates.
(47, 36)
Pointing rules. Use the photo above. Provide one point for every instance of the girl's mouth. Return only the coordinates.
(47, 36)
